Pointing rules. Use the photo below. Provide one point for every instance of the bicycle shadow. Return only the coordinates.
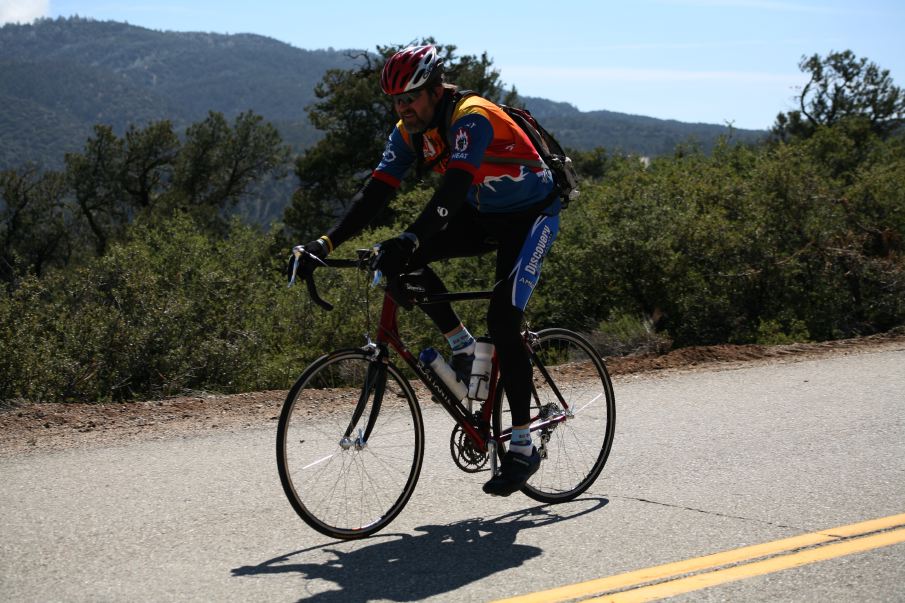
(435, 560)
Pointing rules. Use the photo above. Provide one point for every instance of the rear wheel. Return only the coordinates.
(350, 443)
(570, 382)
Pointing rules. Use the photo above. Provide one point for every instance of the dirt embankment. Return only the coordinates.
(39, 426)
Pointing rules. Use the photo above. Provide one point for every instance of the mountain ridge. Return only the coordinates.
(60, 77)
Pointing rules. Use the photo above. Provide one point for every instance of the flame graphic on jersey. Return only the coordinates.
(489, 181)
(461, 142)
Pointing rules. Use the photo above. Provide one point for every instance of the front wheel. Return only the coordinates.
(350, 443)
(571, 385)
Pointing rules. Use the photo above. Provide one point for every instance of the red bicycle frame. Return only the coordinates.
(388, 334)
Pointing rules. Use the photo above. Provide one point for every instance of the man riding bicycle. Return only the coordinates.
(492, 197)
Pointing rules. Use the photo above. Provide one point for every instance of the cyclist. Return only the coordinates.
(494, 195)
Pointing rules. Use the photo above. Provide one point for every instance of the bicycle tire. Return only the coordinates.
(341, 483)
(578, 447)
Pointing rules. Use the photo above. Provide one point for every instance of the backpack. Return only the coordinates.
(553, 156)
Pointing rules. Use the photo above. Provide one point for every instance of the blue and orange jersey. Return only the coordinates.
(508, 174)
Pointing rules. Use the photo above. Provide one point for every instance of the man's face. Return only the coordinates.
(415, 109)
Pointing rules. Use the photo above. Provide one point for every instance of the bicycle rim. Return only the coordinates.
(343, 484)
(577, 448)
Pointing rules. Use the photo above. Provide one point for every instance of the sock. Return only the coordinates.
(521, 441)
(461, 342)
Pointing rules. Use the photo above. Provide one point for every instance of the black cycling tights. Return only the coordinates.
(504, 323)
(472, 234)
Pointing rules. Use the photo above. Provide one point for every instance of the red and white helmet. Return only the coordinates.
(410, 69)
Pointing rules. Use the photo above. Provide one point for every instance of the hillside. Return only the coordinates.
(627, 133)
(58, 78)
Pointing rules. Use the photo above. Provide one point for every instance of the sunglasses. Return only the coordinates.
(406, 98)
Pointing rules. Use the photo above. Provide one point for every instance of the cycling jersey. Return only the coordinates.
(487, 144)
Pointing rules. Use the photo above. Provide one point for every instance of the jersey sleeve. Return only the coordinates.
(396, 160)
(470, 135)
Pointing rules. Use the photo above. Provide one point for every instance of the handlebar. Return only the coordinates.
(365, 261)
(362, 261)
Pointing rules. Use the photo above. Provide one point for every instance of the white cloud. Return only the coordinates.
(23, 11)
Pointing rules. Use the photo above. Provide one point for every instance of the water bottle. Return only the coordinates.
(435, 361)
(480, 369)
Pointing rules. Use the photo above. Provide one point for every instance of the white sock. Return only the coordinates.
(462, 342)
(523, 450)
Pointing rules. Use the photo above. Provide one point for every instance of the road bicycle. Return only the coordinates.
(350, 438)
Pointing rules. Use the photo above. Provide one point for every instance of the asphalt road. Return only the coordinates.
(703, 462)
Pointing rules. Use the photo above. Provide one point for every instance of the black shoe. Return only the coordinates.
(461, 364)
(515, 470)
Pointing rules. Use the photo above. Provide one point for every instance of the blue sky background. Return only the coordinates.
(712, 61)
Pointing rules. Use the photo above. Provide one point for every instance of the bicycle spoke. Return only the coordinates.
(594, 399)
(570, 378)
(318, 462)
(349, 487)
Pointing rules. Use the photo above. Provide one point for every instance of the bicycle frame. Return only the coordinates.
(476, 425)
(388, 334)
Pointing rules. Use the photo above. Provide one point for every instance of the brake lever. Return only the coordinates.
(370, 257)
(299, 251)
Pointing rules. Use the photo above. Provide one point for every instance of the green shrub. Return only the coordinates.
(768, 244)
(773, 332)
(167, 310)
(624, 334)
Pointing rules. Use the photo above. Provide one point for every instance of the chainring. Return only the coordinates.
(467, 458)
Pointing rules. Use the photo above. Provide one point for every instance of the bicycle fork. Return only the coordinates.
(375, 383)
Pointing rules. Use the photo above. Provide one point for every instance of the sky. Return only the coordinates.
(711, 61)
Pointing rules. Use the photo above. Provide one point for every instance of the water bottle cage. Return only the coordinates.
(475, 391)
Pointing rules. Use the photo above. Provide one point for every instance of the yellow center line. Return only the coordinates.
(787, 548)
(757, 568)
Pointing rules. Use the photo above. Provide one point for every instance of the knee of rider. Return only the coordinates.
(503, 319)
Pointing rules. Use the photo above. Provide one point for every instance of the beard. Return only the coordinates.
(414, 124)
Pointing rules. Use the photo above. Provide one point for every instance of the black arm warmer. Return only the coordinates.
(446, 202)
(366, 204)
